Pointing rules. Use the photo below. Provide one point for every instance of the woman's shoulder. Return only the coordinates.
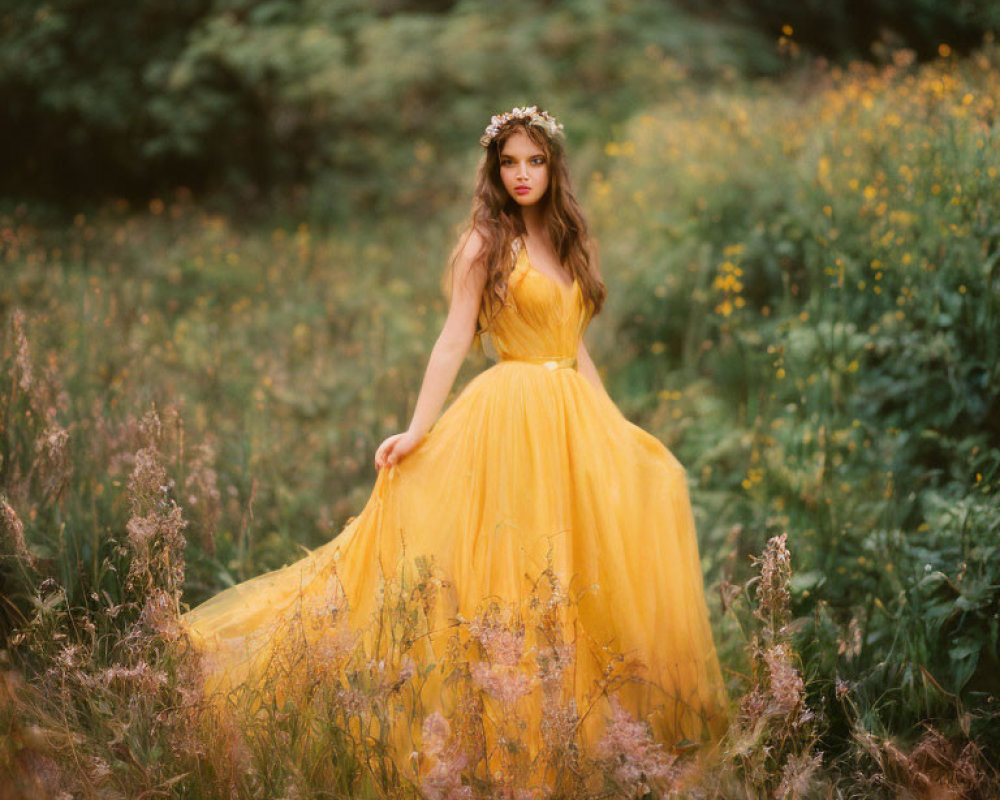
(471, 242)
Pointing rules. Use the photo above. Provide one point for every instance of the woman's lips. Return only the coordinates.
(522, 189)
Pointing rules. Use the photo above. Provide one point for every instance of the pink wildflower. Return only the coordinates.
(501, 638)
(772, 591)
(443, 781)
(787, 686)
(12, 541)
(504, 684)
(633, 757)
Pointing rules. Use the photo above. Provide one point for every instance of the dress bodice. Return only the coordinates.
(540, 318)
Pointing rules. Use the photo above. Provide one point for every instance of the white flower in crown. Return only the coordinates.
(542, 119)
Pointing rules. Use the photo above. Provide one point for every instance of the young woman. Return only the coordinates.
(531, 467)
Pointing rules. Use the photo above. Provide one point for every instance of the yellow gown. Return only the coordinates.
(529, 468)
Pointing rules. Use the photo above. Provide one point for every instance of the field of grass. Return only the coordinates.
(803, 305)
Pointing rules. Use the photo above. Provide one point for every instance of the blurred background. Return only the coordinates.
(373, 105)
(239, 212)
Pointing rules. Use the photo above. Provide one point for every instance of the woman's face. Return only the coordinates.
(524, 169)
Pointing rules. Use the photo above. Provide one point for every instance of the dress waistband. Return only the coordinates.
(569, 362)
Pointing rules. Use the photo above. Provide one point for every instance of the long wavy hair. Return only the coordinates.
(497, 217)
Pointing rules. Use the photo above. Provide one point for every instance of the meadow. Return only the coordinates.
(803, 278)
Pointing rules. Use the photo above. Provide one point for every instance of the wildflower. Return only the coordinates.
(292, 791)
(500, 637)
(150, 427)
(12, 540)
(69, 656)
(559, 723)
(796, 775)
(154, 531)
(850, 646)
(434, 733)
(353, 703)
(53, 464)
(157, 547)
(443, 781)
(753, 706)
(141, 679)
(22, 359)
(787, 686)
(159, 615)
(147, 480)
(141, 531)
(503, 683)
(772, 591)
(633, 758)
(202, 490)
(99, 769)
(553, 662)
(407, 670)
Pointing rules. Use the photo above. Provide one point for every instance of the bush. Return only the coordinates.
(826, 263)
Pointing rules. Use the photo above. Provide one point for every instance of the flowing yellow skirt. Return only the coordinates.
(536, 546)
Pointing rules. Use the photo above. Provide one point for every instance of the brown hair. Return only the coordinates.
(498, 219)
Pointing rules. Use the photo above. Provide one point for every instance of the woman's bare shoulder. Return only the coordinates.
(470, 244)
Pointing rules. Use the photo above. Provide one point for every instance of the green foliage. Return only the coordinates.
(279, 349)
(845, 30)
(826, 265)
(803, 303)
(349, 105)
(368, 106)
(78, 78)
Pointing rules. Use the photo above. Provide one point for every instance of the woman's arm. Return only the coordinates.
(455, 339)
(446, 357)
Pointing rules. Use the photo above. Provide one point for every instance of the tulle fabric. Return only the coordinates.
(529, 468)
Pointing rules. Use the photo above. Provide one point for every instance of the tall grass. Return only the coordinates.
(816, 263)
(115, 702)
(803, 304)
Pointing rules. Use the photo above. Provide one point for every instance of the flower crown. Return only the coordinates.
(541, 119)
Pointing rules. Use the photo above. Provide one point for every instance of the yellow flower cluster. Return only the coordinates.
(754, 476)
(727, 282)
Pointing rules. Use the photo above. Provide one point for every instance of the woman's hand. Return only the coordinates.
(393, 449)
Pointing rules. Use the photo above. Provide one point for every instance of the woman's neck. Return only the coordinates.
(533, 218)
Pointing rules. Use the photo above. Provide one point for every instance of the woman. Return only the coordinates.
(531, 469)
